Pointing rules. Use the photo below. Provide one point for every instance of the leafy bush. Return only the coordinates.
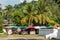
(1, 29)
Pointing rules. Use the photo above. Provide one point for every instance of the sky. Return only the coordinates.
(11, 2)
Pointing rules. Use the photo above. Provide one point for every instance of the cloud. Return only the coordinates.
(21, 0)
(11, 2)
(2, 1)
(29, 0)
(36, 0)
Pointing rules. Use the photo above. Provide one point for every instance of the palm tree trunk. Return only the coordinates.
(29, 22)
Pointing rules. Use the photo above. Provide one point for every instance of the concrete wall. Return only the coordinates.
(48, 31)
(45, 31)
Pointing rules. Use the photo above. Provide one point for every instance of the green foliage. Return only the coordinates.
(41, 12)
(1, 24)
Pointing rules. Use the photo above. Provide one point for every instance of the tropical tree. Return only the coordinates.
(1, 23)
(40, 12)
(54, 6)
(0, 10)
(29, 13)
(43, 12)
(9, 13)
(1, 20)
(17, 17)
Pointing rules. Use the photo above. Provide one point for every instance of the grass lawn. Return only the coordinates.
(20, 36)
(27, 36)
(3, 35)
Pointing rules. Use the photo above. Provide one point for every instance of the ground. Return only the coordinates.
(16, 36)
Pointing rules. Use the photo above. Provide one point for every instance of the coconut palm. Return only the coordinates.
(43, 12)
(30, 13)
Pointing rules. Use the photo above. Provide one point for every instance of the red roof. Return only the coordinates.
(31, 27)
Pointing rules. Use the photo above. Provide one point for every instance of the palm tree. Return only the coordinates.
(43, 11)
(29, 12)
(37, 11)
(40, 11)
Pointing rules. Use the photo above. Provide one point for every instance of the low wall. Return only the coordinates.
(45, 31)
(48, 31)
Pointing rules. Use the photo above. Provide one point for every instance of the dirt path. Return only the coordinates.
(10, 37)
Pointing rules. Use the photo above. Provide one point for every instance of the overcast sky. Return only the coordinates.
(11, 2)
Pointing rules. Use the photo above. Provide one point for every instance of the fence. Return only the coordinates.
(48, 31)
